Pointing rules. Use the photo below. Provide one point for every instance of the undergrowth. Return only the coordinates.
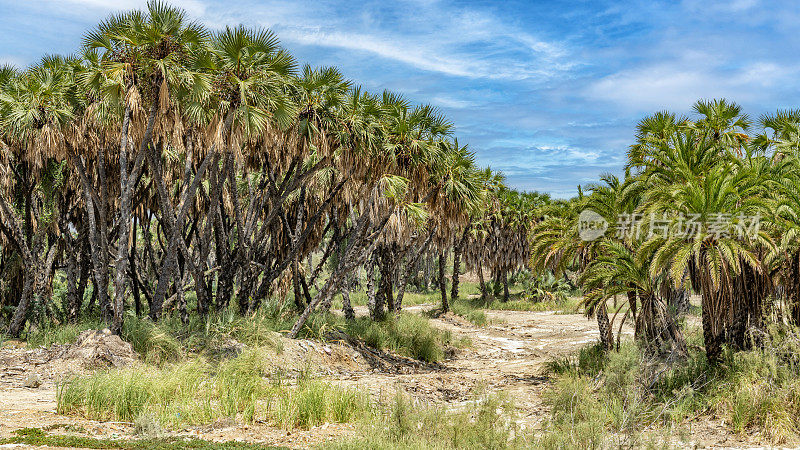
(40, 438)
(487, 423)
(65, 333)
(601, 399)
(166, 341)
(406, 334)
(195, 392)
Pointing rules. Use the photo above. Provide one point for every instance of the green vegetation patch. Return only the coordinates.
(602, 399)
(406, 334)
(38, 437)
(487, 423)
(194, 393)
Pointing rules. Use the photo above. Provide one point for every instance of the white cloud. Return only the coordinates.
(676, 87)
(450, 102)
(195, 8)
(423, 40)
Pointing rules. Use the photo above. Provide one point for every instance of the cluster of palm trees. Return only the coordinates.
(706, 206)
(163, 158)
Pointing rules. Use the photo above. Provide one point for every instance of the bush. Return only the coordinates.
(404, 424)
(628, 391)
(60, 334)
(197, 393)
(154, 342)
(408, 335)
(470, 312)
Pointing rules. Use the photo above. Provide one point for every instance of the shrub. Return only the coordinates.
(406, 334)
(405, 424)
(60, 334)
(197, 393)
(630, 390)
(153, 342)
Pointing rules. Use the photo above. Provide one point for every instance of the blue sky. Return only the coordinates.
(549, 92)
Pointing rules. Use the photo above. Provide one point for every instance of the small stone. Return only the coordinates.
(32, 380)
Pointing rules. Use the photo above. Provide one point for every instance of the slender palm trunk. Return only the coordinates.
(482, 282)
(347, 308)
(457, 251)
(443, 281)
(121, 280)
(375, 298)
(604, 325)
(505, 286)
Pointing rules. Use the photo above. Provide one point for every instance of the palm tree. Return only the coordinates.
(37, 108)
(135, 58)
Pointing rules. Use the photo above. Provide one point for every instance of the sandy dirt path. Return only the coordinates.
(508, 355)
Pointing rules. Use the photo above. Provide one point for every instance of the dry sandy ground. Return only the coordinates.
(508, 355)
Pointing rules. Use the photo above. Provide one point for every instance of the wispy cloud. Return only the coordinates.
(548, 92)
(667, 86)
(457, 42)
(193, 7)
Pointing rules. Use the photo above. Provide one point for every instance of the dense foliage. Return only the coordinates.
(703, 207)
(167, 168)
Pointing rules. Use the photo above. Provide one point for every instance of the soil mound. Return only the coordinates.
(92, 349)
(100, 348)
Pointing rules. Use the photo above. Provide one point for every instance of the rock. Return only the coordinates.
(230, 348)
(32, 380)
(101, 348)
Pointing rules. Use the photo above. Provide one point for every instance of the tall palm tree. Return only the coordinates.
(136, 59)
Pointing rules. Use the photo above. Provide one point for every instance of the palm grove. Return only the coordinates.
(736, 195)
(163, 159)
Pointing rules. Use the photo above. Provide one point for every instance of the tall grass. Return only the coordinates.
(406, 334)
(405, 424)
(469, 311)
(617, 395)
(154, 342)
(197, 393)
(65, 333)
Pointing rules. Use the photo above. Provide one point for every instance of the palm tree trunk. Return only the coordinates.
(443, 281)
(360, 243)
(712, 338)
(604, 325)
(85, 269)
(371, 295)
(299, 302)
(505, 286)
(457, 250)
(121, 279)
(170, 265)
(21, 313)
(72, 273)
(411, 265)
(347, 308)
(482, 282)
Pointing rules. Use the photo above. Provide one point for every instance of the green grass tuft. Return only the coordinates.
(618, 394)
(39, 438)
(196, 393)
(60, 334)
(488, 423)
